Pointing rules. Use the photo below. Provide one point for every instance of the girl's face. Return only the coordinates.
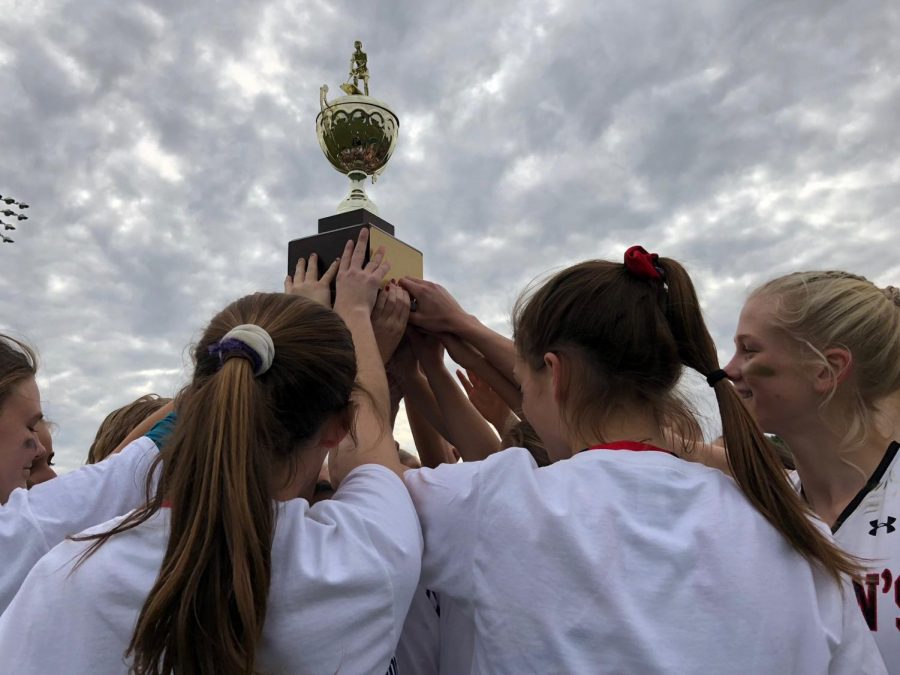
(20, 447)
(42, 469)
(770, 371)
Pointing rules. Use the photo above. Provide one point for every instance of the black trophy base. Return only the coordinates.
(334, 231)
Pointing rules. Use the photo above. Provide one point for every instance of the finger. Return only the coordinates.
(313, 271)
(464, 381)
(288, 284)
(380, 302)
(473, 377)
(375, 259)
(411, 285)
(402, 299)
(346, 256)
(359, 253)
(300, 270)
(330, 273)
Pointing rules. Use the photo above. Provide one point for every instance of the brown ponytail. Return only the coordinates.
(632, 334)
(753, 462)
(206, 611)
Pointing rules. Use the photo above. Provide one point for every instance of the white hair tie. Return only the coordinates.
(249, 341)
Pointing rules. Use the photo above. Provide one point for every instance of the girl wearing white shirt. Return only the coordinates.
(817, 362)
(621, 557)
(227, 568)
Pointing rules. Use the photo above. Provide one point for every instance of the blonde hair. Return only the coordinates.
(821, 310)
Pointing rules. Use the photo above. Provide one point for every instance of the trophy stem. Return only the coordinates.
(357, 198)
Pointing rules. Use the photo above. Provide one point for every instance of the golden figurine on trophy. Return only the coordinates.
(357, 134)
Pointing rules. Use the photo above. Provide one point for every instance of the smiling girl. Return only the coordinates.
(817, 362)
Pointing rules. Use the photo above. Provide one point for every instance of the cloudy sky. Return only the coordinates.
(168, 152)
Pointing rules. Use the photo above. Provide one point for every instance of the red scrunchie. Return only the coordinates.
(643, 265)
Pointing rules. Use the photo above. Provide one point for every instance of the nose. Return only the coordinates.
(732, 370)
(39, 450)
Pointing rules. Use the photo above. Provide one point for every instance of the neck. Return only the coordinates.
(831, 473)
(633, 425)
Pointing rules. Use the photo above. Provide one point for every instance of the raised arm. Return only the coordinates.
(357, 288)
(463, 425)
(474, 362)
(439, 312)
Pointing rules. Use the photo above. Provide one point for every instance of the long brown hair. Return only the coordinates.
(206, 611)
(17, 363)
(631, 338)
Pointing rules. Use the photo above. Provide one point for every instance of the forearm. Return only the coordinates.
(507, 390)
(498, 350)
(433, 449)
(419, 398)
(463, 426)
(374, 442)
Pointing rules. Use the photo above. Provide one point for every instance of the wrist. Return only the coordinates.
(466, 325)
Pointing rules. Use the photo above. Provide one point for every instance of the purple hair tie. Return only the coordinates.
(246, 341)
(225, 349)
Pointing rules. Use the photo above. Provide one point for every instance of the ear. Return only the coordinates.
(840, 365)
(333, 431)
(557, 372)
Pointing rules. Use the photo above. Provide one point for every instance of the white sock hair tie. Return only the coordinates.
(249, 341)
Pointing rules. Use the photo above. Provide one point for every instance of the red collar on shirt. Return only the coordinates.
(634, 446)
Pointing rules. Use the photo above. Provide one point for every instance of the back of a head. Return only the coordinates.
(613, 325)
(236, 425)
(630, 328)
(120, 422)
(17, 363)
(825, 309)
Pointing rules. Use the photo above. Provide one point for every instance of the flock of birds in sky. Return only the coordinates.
(9, 213)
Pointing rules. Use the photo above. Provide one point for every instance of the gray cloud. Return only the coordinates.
(169, 153)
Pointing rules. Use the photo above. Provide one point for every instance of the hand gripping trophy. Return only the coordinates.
(358, 134)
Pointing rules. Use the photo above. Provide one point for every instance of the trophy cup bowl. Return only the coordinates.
(358, 134)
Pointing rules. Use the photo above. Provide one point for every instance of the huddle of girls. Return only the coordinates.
(210, 555)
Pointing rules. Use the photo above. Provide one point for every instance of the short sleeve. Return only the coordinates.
(447, 501)
(161, 431)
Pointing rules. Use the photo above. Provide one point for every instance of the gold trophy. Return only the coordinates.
(358, 134)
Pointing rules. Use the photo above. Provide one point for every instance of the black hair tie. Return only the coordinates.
(715, 377)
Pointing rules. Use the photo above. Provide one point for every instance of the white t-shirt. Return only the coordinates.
(437, 637)
(343, 575)
(34, 521)
(627, 562)
(870, 528)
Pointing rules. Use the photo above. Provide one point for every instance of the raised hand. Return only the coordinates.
(306, 282)
(357, 285)
(485, 399)
(436, 310)
(427, 348)
(389, 319)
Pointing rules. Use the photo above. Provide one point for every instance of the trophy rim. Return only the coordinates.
(357, 98)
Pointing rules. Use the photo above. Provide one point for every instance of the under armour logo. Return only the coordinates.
(889, 524)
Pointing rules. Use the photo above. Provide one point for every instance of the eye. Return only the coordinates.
(50, 459)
